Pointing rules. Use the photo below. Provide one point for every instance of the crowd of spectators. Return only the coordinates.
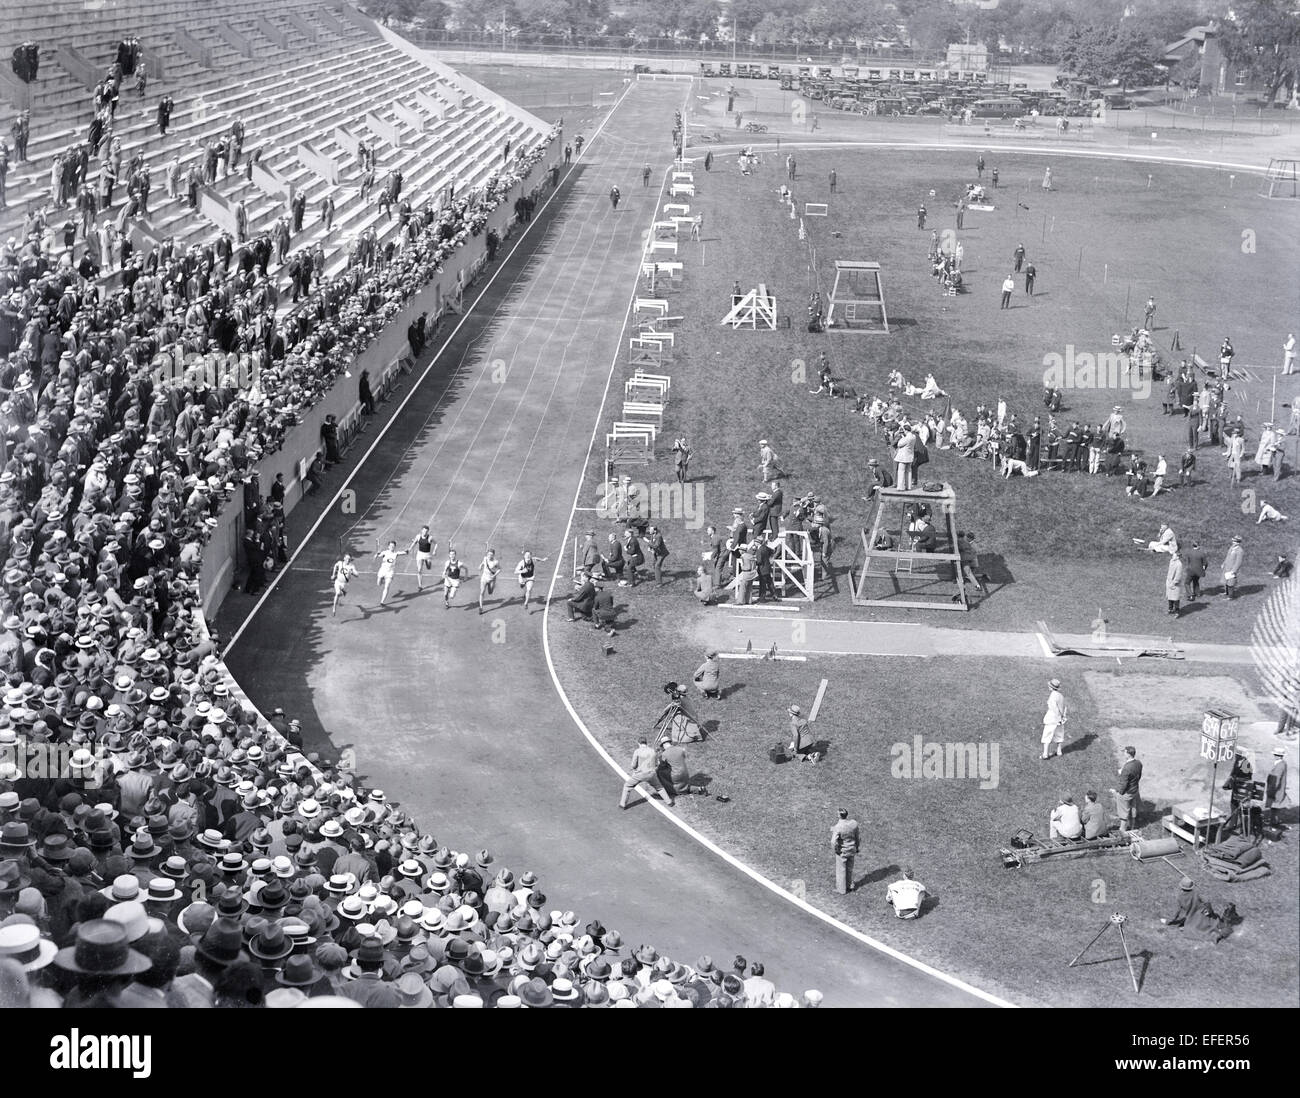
(161, 843)
(207, 862)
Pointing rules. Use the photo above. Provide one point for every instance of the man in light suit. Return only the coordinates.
(1054, 719)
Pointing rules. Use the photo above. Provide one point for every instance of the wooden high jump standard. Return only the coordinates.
(857, 295)
(914, 576)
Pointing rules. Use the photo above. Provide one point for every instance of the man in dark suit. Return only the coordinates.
(1128, 795)
(584, 599)
(602, 611)
(612, 563)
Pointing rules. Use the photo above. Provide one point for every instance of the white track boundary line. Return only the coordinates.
(703, 840)
(325, 511)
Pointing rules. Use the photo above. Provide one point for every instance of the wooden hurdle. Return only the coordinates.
(645, 389)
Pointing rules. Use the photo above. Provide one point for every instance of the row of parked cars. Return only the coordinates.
(991, 102)
(924, 90)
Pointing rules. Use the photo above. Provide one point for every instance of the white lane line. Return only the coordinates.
(703, 840)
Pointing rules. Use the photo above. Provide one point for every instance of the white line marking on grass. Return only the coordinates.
(1094, 154)
(329, 508)
(658, 806)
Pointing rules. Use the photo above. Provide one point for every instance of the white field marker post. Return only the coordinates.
(821, 693)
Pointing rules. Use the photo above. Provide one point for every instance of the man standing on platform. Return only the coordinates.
(844, 845)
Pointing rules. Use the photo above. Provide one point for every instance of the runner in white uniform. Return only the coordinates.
(342, 571)
(450, 578)
(526, 570)
(488, 569)
(387, 565)
(423, 546)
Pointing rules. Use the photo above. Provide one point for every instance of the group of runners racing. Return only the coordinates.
(424, 546)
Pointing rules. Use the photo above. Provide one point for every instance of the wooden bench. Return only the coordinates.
(656, 305)
(664, 246)
(683, 177)
(682, 188)
(667, 226)
(676, 208)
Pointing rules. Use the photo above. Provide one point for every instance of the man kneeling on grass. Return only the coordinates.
(801, 737)
(906, 896)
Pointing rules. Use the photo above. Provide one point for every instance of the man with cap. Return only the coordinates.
(801, 737)
(584, 598)
(1054, 719)
(767, 461)
(844, 845)
(643, 768)
(1232, 567)
(1186, 904)
(708, 674)
(1275, 787)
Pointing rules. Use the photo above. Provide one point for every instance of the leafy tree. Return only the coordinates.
(1263, 37)
(931, 24)
(1103, 53)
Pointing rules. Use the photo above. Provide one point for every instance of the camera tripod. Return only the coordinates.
(1117, 921)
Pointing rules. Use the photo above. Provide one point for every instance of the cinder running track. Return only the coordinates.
(455, 715)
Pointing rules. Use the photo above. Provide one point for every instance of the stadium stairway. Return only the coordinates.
(333, 74)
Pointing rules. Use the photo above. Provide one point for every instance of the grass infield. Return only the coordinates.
(1059, 547)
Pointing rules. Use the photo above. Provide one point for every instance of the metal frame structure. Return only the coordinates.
(1285, 173)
